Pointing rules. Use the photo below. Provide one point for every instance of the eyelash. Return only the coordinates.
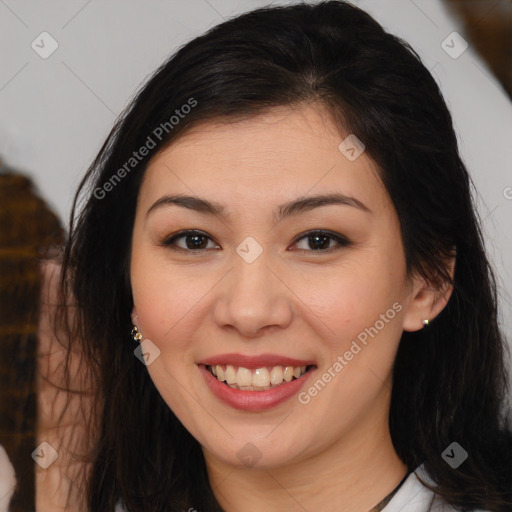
(340, 239)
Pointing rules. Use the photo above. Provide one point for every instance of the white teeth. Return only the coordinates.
(220, 373)
(244, 377)
(230, 374)
(259, 379)
(288, 373)
(276, 375)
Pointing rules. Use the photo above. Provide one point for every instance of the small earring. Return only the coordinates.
(425, 322)
(135, 334)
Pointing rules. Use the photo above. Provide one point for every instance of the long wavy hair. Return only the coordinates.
(449, 381)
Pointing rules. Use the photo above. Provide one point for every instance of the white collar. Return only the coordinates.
(413, 496)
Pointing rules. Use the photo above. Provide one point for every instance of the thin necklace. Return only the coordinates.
(387, 499)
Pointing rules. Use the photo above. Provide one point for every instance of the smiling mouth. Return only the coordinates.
(258, 379)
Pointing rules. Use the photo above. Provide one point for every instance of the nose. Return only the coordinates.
(253, 299)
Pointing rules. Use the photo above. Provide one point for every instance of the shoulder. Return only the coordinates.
(413, 496)
(7, 480)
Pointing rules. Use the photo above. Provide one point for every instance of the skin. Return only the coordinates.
(335, 453)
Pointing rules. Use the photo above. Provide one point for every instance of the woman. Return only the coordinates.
(283, 225)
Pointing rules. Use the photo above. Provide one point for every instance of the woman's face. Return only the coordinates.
(251, 294)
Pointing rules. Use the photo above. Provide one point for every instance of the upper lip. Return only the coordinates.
(252, 362)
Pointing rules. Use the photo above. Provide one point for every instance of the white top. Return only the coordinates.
(412, 496)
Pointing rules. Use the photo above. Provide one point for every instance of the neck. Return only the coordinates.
(352, 475)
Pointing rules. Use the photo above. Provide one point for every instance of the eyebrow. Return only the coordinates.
(299, 205)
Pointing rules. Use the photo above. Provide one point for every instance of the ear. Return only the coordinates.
(427, 300)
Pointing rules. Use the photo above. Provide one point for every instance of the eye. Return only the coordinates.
(194, 241)
(320, 241)
(317, 241)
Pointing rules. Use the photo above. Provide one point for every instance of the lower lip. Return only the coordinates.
(253, 400)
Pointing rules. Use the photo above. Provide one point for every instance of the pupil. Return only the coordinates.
(315, 238)
(195, 239)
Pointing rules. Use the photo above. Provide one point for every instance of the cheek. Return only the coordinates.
(161, 296)
(163, 305)
(363, 308)
(355, 296)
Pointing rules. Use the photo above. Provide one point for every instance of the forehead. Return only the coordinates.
(285, 153)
